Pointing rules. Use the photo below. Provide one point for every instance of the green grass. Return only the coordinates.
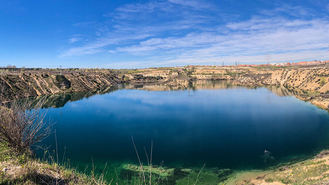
(323, 81)
(308, 172)
(311, 171)
(26, 170)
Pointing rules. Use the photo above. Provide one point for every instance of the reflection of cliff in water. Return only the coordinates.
(183, 85)
(59, 100)
(201, 84)
(281, 91)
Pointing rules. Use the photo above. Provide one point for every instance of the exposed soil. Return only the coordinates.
(308, 83)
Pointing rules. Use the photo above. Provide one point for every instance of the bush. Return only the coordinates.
(21, 127)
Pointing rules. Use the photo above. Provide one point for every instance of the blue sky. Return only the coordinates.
(152, 33)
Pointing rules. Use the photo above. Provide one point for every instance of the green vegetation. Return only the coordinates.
(234, 73)
(203, 177)
(17, 166)
(24, 169)
(307, 172)
(159, 171)
(135, 174)
(20, 129)
(323, 81)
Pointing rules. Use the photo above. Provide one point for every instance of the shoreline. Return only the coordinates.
(307, 83)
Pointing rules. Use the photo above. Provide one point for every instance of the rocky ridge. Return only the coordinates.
(308, 83)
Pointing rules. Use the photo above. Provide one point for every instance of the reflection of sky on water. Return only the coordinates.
(228, 127)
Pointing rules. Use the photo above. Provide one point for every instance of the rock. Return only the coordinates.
(308, 83)
(5, 170)
(323, 154)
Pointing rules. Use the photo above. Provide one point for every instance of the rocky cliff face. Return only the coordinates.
(20, 84)
(309, 83)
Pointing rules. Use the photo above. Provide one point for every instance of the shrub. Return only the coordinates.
(21, 127)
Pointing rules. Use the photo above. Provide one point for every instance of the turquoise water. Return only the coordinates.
(222, 128)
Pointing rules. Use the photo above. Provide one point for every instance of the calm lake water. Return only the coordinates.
(220, 127)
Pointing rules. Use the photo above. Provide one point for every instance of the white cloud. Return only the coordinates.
(196, 4)
(295, 11)
(74, 40)
(188, 39)
(141, 8)
(98, 46)
(124, 27)
(267, 24)
(249, 38)
(165, 6)
(226, 60)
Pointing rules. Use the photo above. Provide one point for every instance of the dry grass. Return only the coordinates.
(309, 172)
(21, 128)
(23, 169)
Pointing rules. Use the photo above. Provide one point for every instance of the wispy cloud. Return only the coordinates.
(294, 11)
(253, 37)
(226, 60)
(98, 45)
(143, 7)
(123, 29)
(192, 34)
(192, 3)
(74, 40)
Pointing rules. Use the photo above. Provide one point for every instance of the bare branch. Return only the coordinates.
(22, 126)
